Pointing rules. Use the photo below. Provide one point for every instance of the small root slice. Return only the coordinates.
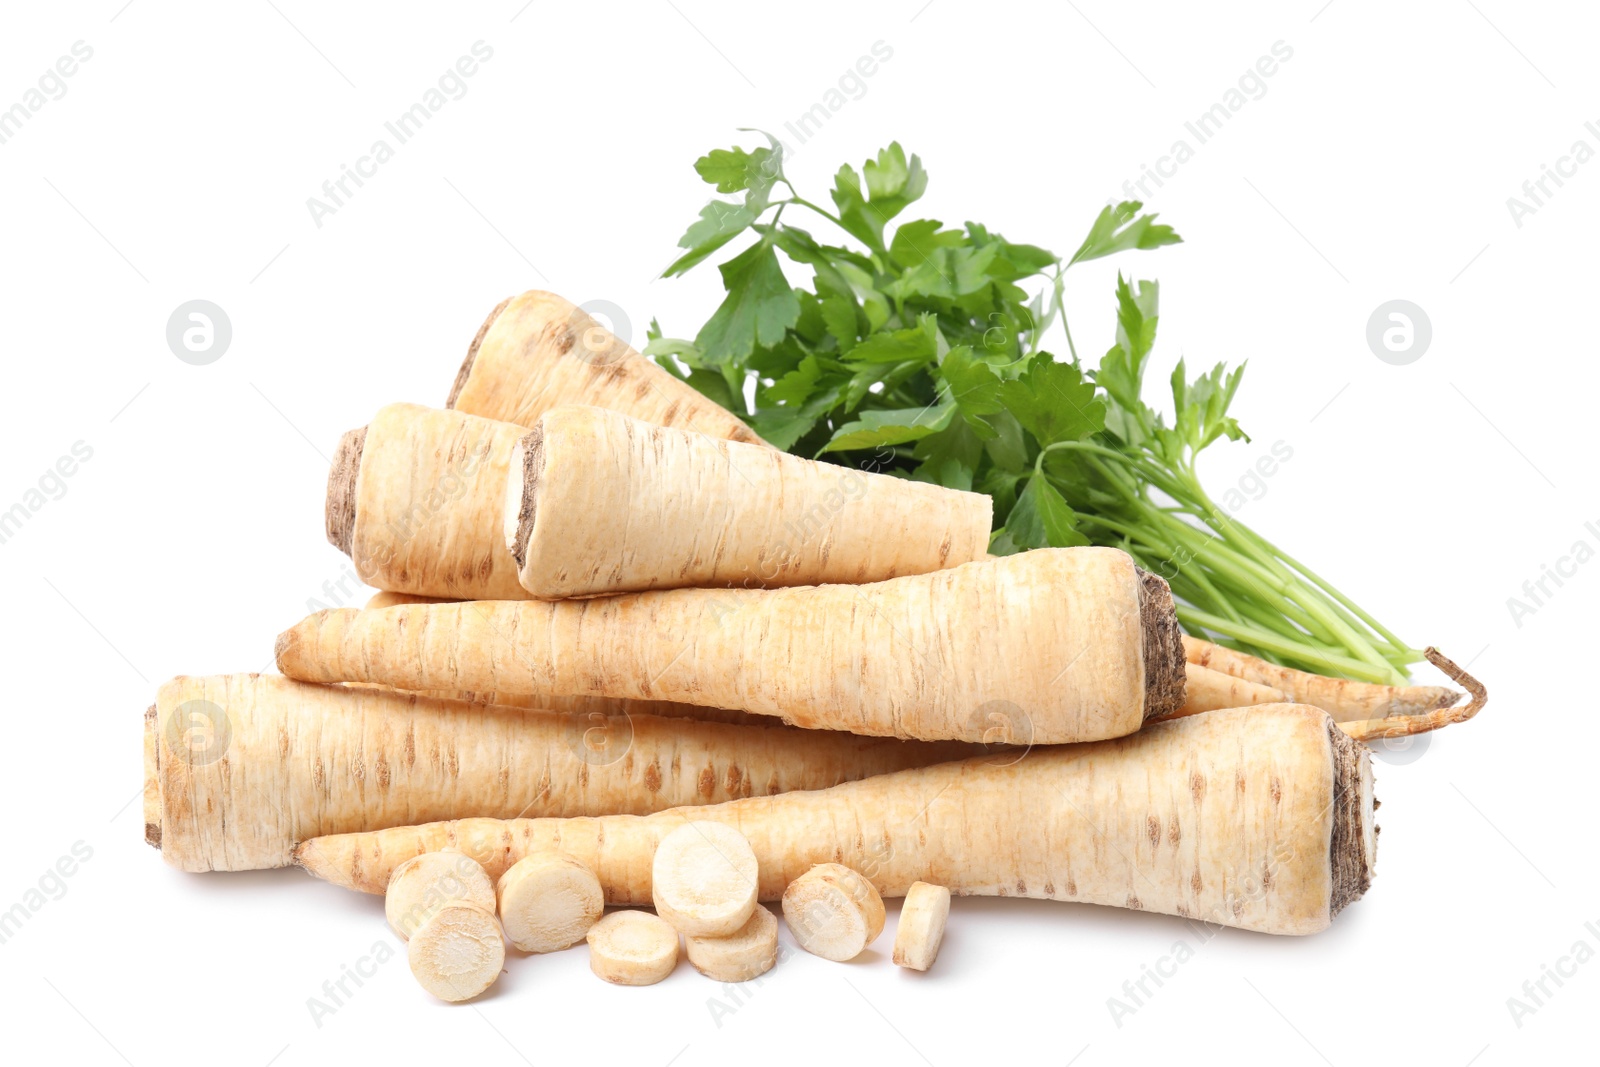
(458, 953)
(1401, 725)
(632, 948)
(749, 953)
(424, 885)
(548, 902)
(704, 879)
(833, 912)
(920, 931)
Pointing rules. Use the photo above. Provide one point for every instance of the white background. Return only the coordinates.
(1376, 166)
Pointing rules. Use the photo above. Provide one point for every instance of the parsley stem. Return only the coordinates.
(1274, 642)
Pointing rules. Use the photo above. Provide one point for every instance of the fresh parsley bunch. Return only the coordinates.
(916, 351)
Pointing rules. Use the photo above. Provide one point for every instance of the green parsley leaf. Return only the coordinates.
(974, 387)
(1042, 519)
(733, 169)
(1120, 228)
(760, 306)
(719, 223)
(1053, 402)
(890, 427)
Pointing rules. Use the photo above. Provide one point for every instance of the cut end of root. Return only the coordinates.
(340, 510)
(1164, 662)
(531, 470)
(1404, 725)
(1353, 850)
(472, 353)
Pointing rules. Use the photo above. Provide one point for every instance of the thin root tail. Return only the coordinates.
(1403, 725)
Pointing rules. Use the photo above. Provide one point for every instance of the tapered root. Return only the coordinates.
(1345, 700)
(1401, 725)
(472, 352)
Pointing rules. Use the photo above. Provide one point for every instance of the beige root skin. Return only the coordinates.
(458, 953)
(920, 930)
(1342, 698)
(548, 902)
(538, 351)
(833, 912)
(703, 880)
(424, 885)
(632, 948)
(598, 502)
(1363, 710)
(1404, 724)
(388, 598)
(302, 760)
(1083, 654)
(1229, 817)
(590, 706)
(1209, 690)
(416, 503)
(748, 953)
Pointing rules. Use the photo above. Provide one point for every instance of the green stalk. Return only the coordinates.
(1328, 661)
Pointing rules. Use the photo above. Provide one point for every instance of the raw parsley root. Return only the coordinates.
(414, 500)
(1260, 818)
(601, 503)
(597, 709)
(538, 351)
(918, 348)
(1044, 647)
(283, 761)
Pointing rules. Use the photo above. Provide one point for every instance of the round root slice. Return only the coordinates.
(740, 957)
(458, 953)
(921, 927)
(704, 879)
(548, 902)
(424, 884)
(632, 948)
(833, 912)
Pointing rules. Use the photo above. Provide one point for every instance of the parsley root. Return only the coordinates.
(748, 953)
(703, 880)
(1364, 710)
(1259, 818)
(632, 948)
(537, 351)
(1044, 647)
(458, 953)
(423, 885)
(282, 761)
(414, 499)
(920, 929)
(833, 912)
(548, 902)
(601, 503)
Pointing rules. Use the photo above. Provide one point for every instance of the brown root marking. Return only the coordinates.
(532, 481)
(1404, 725)
(339, 512)
(1349, 861)
(1164, 670)
(472, 353)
